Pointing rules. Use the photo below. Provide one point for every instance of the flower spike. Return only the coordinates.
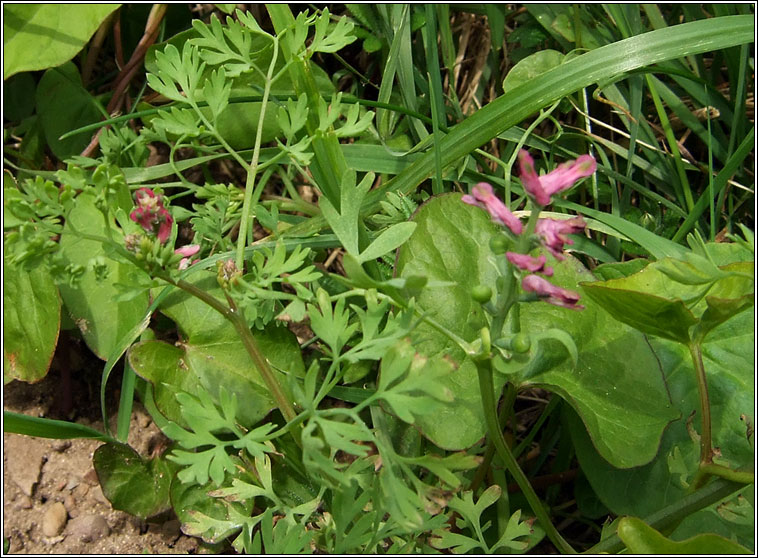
(540, 188)
(483, 196)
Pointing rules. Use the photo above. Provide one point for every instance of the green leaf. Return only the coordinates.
(91, 303)
(622, 401)
(440, 250)
(728, 356)
(206, 517)
(211, 356)
(387, 241)
(640, 538)
(39, 36)
(31, 322)
(133, 484)
(530, 67)
(63, 105)
(17, 423)
(663, 299)
(670, 319)
(344, 222)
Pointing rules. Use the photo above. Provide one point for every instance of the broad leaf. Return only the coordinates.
(450, 244)
(132, 484)
(640, 538)
(39, 36)
(92, 303)
(729, 363)
(623, 401)
(31, 322)
(63, 105)
(212, 356)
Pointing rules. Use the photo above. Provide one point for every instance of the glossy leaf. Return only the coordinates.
(39, 36)
(640, 538)
(664, 298)
(728, 355)
(530, 67)
(31, 322)
(63, 104)
(623, 401)
(132, 484)
(438, 250)
(92, 303)
(212, 356)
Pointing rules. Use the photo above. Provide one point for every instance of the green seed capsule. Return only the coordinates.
(498, 244)
(520, 343)
(481, 294)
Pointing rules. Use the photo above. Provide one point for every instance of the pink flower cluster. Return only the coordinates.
(151, 214)
(187, 252)
(552, 232)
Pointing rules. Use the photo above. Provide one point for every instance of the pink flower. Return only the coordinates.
(554, 231)
(558, 180)
(528, 263)
(551, 293)
(482, 196)
(187, 251)
(150, 212)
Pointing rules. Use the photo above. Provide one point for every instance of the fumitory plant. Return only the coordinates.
(261, 225)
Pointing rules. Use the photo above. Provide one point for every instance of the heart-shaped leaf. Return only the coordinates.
(132, 484)
(212, 356)
(31, 322)
(92, 303)
(622, 400)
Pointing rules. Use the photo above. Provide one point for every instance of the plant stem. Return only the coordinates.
(251, 345)
(487, 388)
(253, 171)
(706, 448)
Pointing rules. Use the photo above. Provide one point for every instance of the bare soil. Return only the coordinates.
(40, 474)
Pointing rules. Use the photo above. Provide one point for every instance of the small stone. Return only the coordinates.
(88, 528)
(72, 483)
(54, 519)
(25, 458)
(24, 502)
(91, 477)
(70, 503)
(61, 445)
(81, 491)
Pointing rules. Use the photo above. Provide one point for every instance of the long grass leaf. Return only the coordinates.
(523, 101)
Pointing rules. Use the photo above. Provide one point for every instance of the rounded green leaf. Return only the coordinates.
(640, 538)
(39, 36)
(132, 484)
(211, 356)
(31, 322)
(728, 356)
(64, 105)
(91, 303)
(439, 250)
(532, 66)
(623, 401)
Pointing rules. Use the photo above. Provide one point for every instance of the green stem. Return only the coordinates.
(743, 477)
(489, 452)
(706, 447)
(251, 345)
(253, 170)
(487, 388)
